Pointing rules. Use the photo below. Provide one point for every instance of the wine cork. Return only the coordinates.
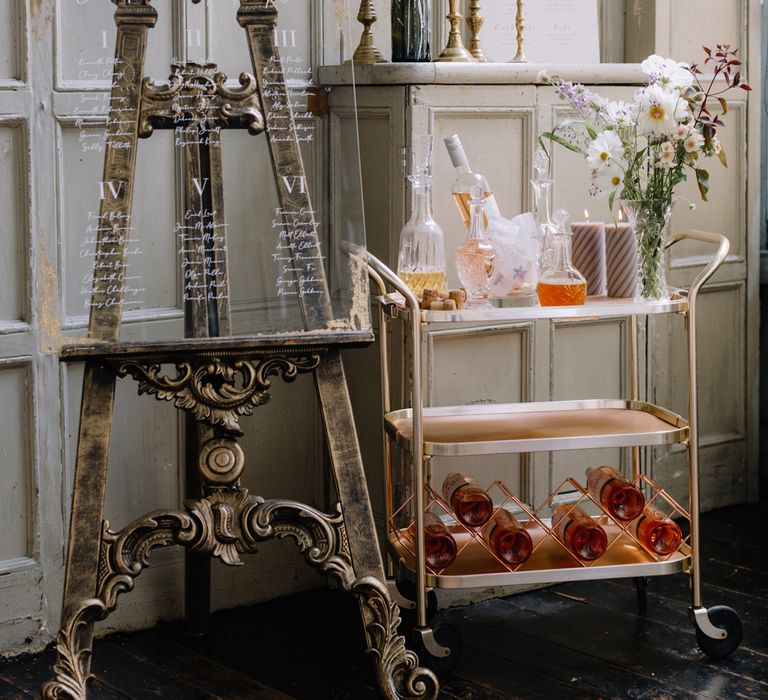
(589, 255)
(427, 298)
(621, 261)
(459, 296)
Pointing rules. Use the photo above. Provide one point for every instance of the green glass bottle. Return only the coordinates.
(410, 31)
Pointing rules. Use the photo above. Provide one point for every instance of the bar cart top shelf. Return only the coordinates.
(596, 307)
(534, 427)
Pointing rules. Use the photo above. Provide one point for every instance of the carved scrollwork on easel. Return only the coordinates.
(217, 391)
(198, 96)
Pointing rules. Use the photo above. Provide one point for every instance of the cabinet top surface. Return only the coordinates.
(480, 74)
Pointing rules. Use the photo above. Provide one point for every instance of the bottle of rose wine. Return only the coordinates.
(583, 537)
(508, 538)
(619, 496)
(656, 532)
(439, 544)
(473, 506)
(466, 180)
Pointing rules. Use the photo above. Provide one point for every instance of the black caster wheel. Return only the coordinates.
(726, 619)
(446, 636)
(641, 586)
(407, 589)
(408, 616)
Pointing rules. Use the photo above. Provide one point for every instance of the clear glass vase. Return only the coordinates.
(649, 219)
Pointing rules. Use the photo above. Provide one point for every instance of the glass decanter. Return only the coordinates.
(476, 256)
(561, 284)
(542, 196)
(421, 262)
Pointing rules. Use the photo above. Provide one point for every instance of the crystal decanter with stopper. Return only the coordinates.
(476, 256)
(542, 195)
(421, 262)
(561, 284)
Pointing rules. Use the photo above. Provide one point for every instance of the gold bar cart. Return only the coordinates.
(421, 434)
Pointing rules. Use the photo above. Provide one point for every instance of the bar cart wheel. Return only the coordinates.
(407, 591)
(725, 619)
(439, 648)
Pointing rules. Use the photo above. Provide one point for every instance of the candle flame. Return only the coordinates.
(621, 216)
(586, 214)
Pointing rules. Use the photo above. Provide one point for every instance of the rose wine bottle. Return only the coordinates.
(583, 537)
(619, 496)
(472, 506)
(466, 180)
(439, 545)
(508, 538)
(656, 532)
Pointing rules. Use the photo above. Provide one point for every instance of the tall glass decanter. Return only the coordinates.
(476, 257)
(410, 31)
(542, 197)
(421, 262)
(561, 284)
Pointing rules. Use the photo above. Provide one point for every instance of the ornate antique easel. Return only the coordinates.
(217, 378)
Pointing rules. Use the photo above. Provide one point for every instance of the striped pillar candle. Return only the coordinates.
(589, 254)
(621, 260)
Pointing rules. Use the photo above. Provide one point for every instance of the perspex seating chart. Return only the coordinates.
(203, 299)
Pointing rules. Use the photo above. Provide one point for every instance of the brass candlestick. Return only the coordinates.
(475, 22)
(367, 53)
(455, 51)
(520, 26)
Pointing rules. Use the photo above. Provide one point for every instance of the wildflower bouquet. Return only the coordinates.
(640, 151)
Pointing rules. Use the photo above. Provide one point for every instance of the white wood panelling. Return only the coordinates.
(16, 477)
(13, 241)
(11, 40)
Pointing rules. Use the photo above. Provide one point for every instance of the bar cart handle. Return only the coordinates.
(723, 247)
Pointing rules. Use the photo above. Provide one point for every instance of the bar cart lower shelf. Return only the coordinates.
(420, 434)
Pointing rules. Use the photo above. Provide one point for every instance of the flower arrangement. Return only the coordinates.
(640, 151)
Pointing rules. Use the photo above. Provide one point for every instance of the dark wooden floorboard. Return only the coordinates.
(577, 641)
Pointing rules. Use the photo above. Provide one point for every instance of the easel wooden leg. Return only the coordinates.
(397, 671)
(197, 565)
(81, 605)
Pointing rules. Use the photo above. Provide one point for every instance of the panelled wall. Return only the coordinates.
(51, 112)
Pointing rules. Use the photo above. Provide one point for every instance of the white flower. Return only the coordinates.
(717, 145)
(668, 147)
(660, 112)
(670, 74)
(605, 148)
(619, 113)
(694, 142)
(681, 133)
(667, 160)
(606, 180)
